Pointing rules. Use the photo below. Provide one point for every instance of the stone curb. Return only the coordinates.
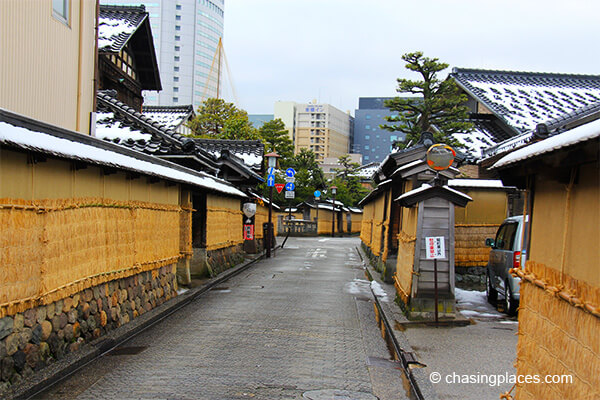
(390, 313)
(62, 369)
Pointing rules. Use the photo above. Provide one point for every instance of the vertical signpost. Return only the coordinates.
(317, 196)
(272, 164)
(435, 249)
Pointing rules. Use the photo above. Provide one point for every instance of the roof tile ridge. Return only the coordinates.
(458, 70)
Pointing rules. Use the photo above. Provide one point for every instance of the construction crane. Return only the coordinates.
(215, 73)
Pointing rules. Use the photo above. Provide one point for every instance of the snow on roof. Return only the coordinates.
(43, 142)
(571, 137)
(408, 166)
(525, 99)
(420, 189)
(107, 127)
(355, 210)
(116, 24)
(170, 120)
(476, 183)
(475, 141)
(424, 187)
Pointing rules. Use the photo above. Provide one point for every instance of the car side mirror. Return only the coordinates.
(489, 242)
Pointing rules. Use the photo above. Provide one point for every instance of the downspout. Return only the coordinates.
(96, 74)
(569, 190)
(79, 46)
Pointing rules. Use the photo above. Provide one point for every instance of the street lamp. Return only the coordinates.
(271, 163)
(333, 192)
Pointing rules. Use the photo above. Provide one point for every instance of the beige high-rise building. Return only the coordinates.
(321, 128)
(47, 54)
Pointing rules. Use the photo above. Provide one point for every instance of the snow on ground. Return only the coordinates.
(378, 291)
(473, 304)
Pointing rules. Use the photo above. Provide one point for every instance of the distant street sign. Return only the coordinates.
(434, 247)
(290, 194)
(288, 179)
(317, 193)
(290, 186)
(279, 187)
(290, 172)
(272, 171)
(271, 180)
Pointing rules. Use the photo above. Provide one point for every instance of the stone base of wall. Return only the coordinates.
(211, 263)
(470, 278)
(41, 335)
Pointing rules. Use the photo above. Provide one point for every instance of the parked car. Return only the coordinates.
(507, 252)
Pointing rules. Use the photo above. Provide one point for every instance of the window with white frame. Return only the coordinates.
(60, 10)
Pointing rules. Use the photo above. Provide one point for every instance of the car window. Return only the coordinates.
(505, 238)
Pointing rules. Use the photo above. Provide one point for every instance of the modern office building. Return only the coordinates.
(186, 37)
(370, 140)
(321, 128)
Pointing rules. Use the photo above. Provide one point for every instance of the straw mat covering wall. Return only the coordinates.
(404, 265)
(261, 217)
(53, 248)
(559, 321)
(224, 220)
(470, 249)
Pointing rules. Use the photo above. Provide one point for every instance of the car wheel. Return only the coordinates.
(510, 304)
(490, 292)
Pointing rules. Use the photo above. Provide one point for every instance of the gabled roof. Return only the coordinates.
(17, 131)
(170, 117)
(250, 151)
(117, 24)
(122, 25)
(426, 191)
(524, 99)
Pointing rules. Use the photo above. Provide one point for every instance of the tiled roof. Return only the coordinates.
(555, 126)
(118, 123)
(170, 116)
(117, 24)
(524, 99)
(250, 151)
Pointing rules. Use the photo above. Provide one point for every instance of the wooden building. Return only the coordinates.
(47, 57)
(84, 220)
(126, 57)
(559, 313)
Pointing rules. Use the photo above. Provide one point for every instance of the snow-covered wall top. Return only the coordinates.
(45, 143)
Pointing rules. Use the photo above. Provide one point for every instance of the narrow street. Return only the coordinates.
(299, 325)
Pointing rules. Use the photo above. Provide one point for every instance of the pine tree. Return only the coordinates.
(277, 139)
(436, 105)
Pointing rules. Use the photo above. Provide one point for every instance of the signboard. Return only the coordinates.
(288, 179)
(279, 187)
(271, 180)
(317, 193)
(435, 248)
(290, 172)
(290, 194)
(249, 209)
(290, 186)
(440, 157)
(271, 171)
(248, 232)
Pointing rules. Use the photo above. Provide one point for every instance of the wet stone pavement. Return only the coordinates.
(299, 325)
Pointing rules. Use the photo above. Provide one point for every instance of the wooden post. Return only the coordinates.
(435, 288)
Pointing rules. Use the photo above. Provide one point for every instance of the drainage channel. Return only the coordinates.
(402, 360)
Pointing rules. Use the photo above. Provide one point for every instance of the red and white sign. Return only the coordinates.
(248, 232)
(435, 248)
(279, 187)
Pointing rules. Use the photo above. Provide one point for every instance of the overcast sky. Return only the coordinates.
(336, 51)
